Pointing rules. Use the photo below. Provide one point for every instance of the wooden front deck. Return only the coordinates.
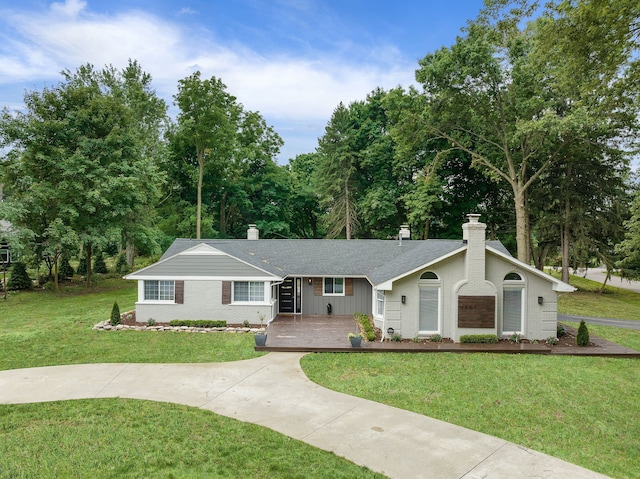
(328, 333)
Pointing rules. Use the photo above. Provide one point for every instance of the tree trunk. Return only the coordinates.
(522, 232)
(347, 213)
(223, 214)
(89, 267)
(56, 271)
(130, 252)
(199, 201)
(565, 238)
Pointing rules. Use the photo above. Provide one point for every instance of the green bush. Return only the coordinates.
(435, 338)
(82, 266)
(115, 314)
(65, 270)
(199, 323)
(122, 267)
(19, 278)
(561, 332)
(583, 334)
(396, 337)
(99, 266)
(478, 338)
(364, 320)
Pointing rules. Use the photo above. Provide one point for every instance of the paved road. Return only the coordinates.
(273, 391)
(599, 275)
(617, 323)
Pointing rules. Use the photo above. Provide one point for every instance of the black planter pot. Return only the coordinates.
(261, 339)
(356, 341)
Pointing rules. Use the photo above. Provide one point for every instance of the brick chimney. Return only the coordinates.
(473, 233)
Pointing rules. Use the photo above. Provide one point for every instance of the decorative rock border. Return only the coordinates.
(107, 326)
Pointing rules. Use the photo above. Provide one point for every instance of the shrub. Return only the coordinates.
(99, 266)
(19, 278)
(198, 323)
(396, 337)
(435, 338)
(551, 341)
(364, 320)
(515, 338)
(82, 266)
(115, 314)
(122, 267)
(583, 334)
(478, 338)
(151, 322)
(561, 332)
(65, 270)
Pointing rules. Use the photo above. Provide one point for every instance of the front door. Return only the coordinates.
(286, 296)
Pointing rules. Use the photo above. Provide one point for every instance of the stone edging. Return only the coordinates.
(107, 326)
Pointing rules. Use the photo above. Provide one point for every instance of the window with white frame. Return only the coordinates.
(513, 304)
(380, 303)
(159, 290)
(333, 287)
(248, 291)
(429, 295)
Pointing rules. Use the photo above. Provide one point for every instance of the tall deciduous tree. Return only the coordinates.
(75, 162)
(208, 121)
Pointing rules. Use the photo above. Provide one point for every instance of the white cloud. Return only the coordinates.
(297, 92)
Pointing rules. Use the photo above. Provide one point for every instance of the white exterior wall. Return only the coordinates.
(202, 300)
(404, 318)
(539, 320)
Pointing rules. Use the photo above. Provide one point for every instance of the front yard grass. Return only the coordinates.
(43, 328)
(123, 438)
(613, 302)
(580, 409)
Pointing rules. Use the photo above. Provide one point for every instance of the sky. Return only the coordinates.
(293, 61)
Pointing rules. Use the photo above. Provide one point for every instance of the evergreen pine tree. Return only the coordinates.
(19, 277)
(99, 266)
(115, 314)
(583, 334)
(65, 270)
(82, 266)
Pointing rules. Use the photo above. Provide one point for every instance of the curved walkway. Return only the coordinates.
(273, 391)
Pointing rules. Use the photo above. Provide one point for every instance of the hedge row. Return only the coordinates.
(369, 332)
(199, 323)
(478, 338)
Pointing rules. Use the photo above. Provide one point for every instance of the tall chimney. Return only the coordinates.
(253, 233)
(473, 233)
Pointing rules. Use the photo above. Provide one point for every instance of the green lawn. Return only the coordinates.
(45, 328)
(118, 438)
(584, 410)
(587, 301)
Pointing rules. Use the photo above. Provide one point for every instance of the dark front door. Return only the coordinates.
(286, 295)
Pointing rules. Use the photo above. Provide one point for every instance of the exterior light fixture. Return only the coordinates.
(540, 299)
(403, 299)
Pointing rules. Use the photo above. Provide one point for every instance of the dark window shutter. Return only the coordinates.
(226, 292)
(179, 292)
(317, 286)
(348, 286)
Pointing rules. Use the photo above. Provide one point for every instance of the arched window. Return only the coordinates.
(429, 314)
(513, 301)
(429, 275)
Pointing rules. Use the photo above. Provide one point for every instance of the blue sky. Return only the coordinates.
(291, 60)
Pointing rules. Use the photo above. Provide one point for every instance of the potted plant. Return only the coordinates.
(261, 336)
(356, 339)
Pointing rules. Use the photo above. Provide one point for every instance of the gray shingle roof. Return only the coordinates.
(378, 260)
